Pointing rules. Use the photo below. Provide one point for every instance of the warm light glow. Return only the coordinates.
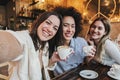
(116, 18)
(85, 13)
(106, 2)
(43, 0)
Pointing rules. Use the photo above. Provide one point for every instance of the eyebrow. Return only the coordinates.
(68, 24)
(49, 20)
(52, 23)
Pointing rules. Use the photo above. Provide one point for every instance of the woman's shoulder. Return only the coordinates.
(18, 32)
(109, 42)
(79, 40)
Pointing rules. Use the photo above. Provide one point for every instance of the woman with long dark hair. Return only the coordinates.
(71, 27)
(28, 53)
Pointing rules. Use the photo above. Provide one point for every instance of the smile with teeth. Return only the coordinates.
(45, 33)
(94, 34)
(68, 34)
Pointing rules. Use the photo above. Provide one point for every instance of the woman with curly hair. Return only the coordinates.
(71, 27)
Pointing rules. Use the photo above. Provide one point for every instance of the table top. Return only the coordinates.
(73, 74)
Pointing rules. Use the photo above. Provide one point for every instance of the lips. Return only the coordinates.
(68, 34)
(94, 34)
(45, 33)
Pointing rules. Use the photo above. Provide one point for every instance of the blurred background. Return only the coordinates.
(19, 14)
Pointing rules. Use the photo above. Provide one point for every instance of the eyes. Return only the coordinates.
(98, 27)
(49, 23)
(67, 25)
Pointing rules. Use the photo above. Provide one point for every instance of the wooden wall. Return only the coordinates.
(115, 30)
(2, 16)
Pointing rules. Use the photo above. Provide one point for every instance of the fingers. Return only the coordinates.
(91, 55)
(93, 49)
(89, 50)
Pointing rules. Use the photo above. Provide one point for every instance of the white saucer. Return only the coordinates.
(112, 75)
(89, 74)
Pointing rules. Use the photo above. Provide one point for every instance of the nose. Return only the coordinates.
(95, 30)
(69, 28)
(49, 29)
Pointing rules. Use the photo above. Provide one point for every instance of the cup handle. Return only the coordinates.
(71, 50)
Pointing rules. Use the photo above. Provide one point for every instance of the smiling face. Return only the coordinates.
(97, 30)
(68, 28)
(48, 28)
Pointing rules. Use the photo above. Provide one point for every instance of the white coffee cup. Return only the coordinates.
(87, 49)
(64, 52)
(115, 70)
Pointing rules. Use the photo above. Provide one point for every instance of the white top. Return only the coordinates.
(27, 66)
(110, 53)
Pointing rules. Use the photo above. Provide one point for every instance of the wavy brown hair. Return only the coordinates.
(101, 43)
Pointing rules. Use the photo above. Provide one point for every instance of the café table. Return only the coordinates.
(73, 74)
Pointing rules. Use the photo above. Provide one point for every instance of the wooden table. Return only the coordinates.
(74, 73)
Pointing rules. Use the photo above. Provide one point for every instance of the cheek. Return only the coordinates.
(64, 30)
(39, 30)
(103, 33)
(54, 33)
(90, 31)
(74, 30)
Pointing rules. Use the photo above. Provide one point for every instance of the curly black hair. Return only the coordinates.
(71, 11)
(65, 11)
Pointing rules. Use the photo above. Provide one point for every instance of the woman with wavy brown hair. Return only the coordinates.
(107, 52)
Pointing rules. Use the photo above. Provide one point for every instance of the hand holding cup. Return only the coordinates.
(89, 50)
(64, 52)
(115, 70)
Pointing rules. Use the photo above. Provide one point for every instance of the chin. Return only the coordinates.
(44, 39)
(94, 38)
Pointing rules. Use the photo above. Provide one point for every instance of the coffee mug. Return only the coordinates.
(87, 49)
(115, 70)
(64, 52)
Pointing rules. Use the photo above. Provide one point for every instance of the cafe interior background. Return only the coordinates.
(19, 14)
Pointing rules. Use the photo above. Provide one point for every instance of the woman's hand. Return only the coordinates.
(89, 50)
(55, 58)
(90, 40)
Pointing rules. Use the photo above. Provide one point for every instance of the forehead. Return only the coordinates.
(54, 19)
(68, 19)
(98, 24)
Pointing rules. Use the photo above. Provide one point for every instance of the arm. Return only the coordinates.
(52, 62)
(9, 47)
(112, 50)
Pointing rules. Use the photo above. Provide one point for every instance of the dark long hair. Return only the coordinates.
(41, 18)
(71, 11)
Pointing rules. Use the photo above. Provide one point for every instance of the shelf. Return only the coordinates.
(24, 17)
